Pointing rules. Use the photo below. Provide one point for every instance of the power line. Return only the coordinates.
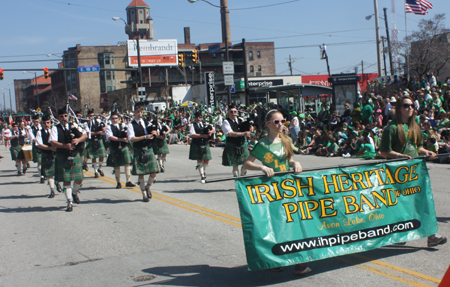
(270, 5)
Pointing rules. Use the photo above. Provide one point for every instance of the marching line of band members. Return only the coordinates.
(140, 146)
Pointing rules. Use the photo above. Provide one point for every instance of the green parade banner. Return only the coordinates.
(298, 218)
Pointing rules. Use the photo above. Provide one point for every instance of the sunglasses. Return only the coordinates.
(115, 118)
(406, 106)
(234, 112)
(276, 122)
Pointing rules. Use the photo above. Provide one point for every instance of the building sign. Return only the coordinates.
(214, 49)
(210, 88)
(265, 83)
(153, 53)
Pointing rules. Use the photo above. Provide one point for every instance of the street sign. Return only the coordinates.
(228, 79)
(233, 89)
(228, 68)
(84, 69)
(141, 91)
(214, 49)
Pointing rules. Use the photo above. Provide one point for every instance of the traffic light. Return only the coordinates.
(194, 56)
(181, 60)
(46, 72)
(1, 74)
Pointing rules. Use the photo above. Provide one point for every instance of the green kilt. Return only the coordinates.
(114, 161)
(85, 150)
(100, 152)
(36, 155)
(140, 168)
(16, 152)
(45, 169)
(195, 153)
(230, 158)
(160, 150)
(72, 174)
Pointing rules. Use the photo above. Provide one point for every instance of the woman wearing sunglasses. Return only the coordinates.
(276, 154)
(402, 138)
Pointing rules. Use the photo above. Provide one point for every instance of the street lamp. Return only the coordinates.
(129, 33)
(377, 35)
(225, 30)
(35, 86)
(387, 37)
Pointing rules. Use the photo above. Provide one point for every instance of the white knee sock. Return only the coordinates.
(19, 165)
(201, 168)
(142, 184)
(117, 174)
(100, 164)
(51, 183)
(95, 164)
(76, 187)
(128, 173)
(68, 190)
(150, 180)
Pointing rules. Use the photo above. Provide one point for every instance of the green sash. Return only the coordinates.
(270, 159)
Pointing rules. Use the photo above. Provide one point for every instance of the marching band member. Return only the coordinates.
(84, 154)
(37, 153)
(68, 162)
(235, 152)
(17, 140)
(144, 161)
(96, 145)
(48, 158)
(160, 147)
(119, 154)
(199, 149)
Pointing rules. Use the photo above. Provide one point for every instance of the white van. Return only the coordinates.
(156, 106)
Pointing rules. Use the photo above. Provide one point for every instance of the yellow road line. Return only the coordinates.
(398, 269)
(181, 204)
(220, 216)
(382, 272)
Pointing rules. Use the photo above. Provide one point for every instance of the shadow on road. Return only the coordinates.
(199, 191)
(205, 275)
(443, 219)
(31, 209)
(23, 196)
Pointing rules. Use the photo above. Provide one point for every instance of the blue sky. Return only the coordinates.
(31, 29)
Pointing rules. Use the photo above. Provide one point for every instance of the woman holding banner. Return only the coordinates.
(402, 138)
(276, 153)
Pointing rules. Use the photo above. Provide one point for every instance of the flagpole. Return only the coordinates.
(322, 168)
(407, 46)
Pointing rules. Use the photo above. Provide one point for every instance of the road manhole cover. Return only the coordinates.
(144, 278)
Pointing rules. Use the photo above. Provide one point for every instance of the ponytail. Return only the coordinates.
(287, 146)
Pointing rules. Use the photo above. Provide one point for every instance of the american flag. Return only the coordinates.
(418, 7)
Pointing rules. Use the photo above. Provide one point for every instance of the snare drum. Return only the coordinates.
(27, 152)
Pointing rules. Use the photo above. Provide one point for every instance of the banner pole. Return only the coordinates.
(320, 168)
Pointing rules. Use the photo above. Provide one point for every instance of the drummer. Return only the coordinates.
(37, 152)
(17, 139)
(48, 154)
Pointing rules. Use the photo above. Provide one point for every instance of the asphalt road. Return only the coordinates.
(189, 234)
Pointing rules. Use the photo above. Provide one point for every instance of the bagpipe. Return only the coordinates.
(123, 134)
(75, 131)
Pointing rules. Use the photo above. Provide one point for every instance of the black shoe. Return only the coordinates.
(28, 165)
(203, 179)
(145, 198)
(58, 187)
(52, 194)
(147, 190)
(85, 167)
(100, 172)
(119, 185)
(24, 170)
(130, 184)
(42, 179)
(162, 169)
(69, 207)
(19, 173)
(96, 175)
(76, 199)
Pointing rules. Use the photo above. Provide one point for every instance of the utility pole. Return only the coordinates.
(389, 43)
(377, 33)
(244, 51)
(290, 64)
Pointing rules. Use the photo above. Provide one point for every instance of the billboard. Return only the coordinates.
(153, 53)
